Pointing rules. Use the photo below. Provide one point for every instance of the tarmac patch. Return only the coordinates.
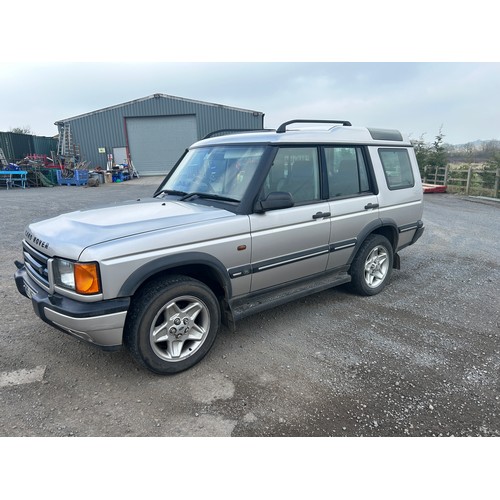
(211, 388)
(20, 377)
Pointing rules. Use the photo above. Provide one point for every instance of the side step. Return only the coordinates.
(268, 300)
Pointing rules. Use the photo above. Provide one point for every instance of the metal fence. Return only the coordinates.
(470, 179)
(17, 146)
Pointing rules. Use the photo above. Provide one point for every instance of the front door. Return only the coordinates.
(291, 243)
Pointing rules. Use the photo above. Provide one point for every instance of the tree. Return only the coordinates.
(494, 164)
(491, 147)
(26, 130)
(431, 157)
(438, 157)
(494, 161)
(421, 152)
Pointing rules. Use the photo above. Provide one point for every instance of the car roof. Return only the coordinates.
(311, 134)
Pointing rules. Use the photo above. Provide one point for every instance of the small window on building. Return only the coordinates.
(397, 168)
(347, 174)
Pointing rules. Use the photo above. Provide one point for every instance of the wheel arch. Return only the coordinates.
(384, 227)
(389, 229)
(196, 265)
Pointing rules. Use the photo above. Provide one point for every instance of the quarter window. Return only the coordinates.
(397, 168)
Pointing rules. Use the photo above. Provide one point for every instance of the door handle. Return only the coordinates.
(321, 215)
(371, 205)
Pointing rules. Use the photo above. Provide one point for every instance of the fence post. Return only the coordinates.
(469, 176)
(446, 171)
(497, 178)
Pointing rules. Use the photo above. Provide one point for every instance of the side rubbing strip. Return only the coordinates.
(238, 272)
(340, 245)
(407, 227)
(289, 259)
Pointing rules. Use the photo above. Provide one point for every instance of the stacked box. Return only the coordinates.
(120, 176)
(80, 178)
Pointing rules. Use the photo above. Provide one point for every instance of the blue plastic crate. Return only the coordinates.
(80, 178)
(120, 175)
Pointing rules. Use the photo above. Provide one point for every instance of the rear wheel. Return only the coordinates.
(172, 324)
(372, 266)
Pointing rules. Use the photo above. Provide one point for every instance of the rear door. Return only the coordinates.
(291, 243)
(353, 201)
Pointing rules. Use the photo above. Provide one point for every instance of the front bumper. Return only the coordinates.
(99, 323)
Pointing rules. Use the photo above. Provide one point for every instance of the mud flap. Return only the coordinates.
(396, 263)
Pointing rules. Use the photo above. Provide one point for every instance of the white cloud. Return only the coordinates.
(416, 98)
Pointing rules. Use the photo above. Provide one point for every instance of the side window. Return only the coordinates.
(397, 168)
(347, 173)
(295, 170)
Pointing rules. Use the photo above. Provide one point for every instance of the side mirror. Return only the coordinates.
(274, 201)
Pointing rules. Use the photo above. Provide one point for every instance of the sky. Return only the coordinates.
(424, 70)
(418, 98)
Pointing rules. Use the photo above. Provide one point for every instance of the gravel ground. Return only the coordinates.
(420, 359)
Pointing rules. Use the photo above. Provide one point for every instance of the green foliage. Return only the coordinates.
(493, 164)
(431, 157)
(471, 168)
(494, 161)
(438, 157)
(421, 152)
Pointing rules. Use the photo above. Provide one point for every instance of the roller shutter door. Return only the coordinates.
(157, 142)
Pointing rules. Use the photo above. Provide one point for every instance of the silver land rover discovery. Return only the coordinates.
(242, 223)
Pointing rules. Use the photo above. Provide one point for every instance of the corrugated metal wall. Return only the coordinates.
(6, 146)
(44, 145)
(17, 146)
(105, 128)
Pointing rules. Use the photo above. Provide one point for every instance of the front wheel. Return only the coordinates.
(172, 324)
(372, 266)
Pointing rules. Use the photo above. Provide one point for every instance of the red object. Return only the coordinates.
(433, 188)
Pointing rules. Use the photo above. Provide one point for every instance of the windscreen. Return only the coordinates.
(219, 170)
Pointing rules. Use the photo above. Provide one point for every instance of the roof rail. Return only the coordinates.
(282, 127)
(236, 130)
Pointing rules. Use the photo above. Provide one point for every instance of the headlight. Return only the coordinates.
(80, 277)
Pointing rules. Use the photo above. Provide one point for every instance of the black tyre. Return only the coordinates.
(172, 324)
(372, 266)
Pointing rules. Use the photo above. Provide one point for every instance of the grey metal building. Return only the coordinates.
(152, 132)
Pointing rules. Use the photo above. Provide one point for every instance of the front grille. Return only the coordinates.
(36, 264)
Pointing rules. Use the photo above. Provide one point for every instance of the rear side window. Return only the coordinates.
(397, 168)
(347, 173)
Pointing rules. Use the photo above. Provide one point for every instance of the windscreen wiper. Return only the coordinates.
(209, 196)
(172, 192)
